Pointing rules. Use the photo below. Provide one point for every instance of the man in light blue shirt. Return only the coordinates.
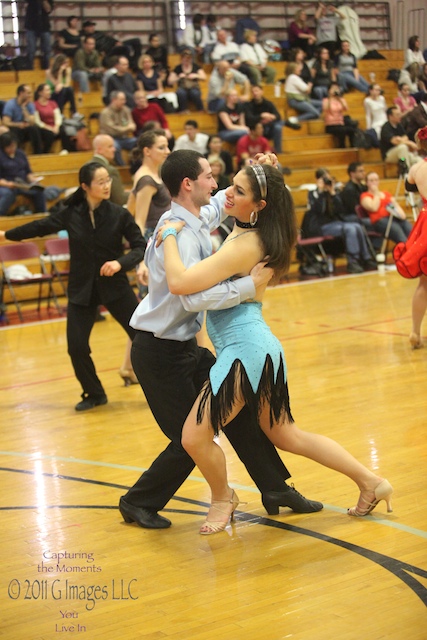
(18, 115)
(172, 368)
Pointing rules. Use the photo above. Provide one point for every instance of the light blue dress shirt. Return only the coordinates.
(180, 317)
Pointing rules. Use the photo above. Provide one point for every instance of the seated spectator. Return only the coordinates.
(218, 173)
(104, 152)
(222, 79)
(264, 110)
(327, 18)
(300, 35)
(149, 81)
(348, 73)
(47, 116)
(415, 119)
(231, 119)
(299, 56)
(192, 139)
(404, 101)
(145, 111)
(159, 53)
(297, 94)
(14, 167)
(193, 36)
(116, 121)
(86, 64)
(334, 109)
(380, 205)
(215, 149)
(252, 143)
(69, 39)
(187, 75)
(110, 46)
(325, 204)
(413, 53)
(411, 76)
(350, 195)
(58, 77)
(226, 49)
(375, 113)
(122, 81)
(323, 74)
(210, 31)
(253, 55)
(394, 143)
(18, 116)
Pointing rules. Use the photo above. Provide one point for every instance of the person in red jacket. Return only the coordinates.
(146, 111)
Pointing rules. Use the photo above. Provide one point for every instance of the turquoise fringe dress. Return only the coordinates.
(247, 354)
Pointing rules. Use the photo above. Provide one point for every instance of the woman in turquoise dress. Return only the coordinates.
(251, 366)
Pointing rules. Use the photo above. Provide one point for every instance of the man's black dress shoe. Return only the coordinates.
(89, 402)
(291, 498)
(144, 517)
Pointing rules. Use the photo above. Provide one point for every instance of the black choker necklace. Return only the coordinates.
(243, 225)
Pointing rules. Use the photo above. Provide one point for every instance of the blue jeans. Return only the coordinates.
(82, 77)
(45, 47)
(8, 197)
(399, 230)
(273, 131)
(185, 96)
(123, 143)
(347, 81)
(216, 104)
(232, 135)
(307, 109)
(353, 236)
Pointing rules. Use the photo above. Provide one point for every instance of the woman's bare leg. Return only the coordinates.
(419, 308)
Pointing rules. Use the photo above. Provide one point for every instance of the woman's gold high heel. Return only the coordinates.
(415, 341)
(382, 491)
(128, 376)
(208, 527)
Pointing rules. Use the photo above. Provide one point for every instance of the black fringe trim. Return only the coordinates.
(272, 392)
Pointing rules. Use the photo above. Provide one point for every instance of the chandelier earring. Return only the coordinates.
(253, 218)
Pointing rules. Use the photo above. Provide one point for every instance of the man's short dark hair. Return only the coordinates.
(21, 89)
(191, 123)
(390, 110)
(353, 167)
(178, 166)
(6, 140)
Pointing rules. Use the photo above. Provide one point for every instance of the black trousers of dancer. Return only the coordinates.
(171, 374)
(80, 321)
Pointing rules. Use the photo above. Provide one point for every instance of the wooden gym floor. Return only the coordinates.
(70, 565)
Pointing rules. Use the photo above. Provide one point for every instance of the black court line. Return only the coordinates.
(401, 570)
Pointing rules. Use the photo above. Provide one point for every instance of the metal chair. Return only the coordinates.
(58, 249)
(25, 253)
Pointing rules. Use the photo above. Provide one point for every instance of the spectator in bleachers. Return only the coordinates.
(226, 49)
(323, 73)
(159, 54)
(210, 31)
(58, 77)
(375, 113)
(187, 75)
(348, 73)
(413, 53)
(215, 148)
(122, 81)
(87, 64)
(18, 115)
(193, 36)
(37, 27)
(116, 120)
(242, 25)
(69, 39)
(334, 110)
(145, 111)
(14, 167)
(404, 100)
(327, 19)
(218, 173)
(411, 76)
(381, 205)
(109, 46)
(298, 94)
(417, 118)
(299, 56)
(252, 143)
(253, 55)
(231, 118)
(222, 79)
(300, 35)
(47, 116)
(394, 143)
(104, 152)
(353, 189)
(149, 80)
(192, 139)
(325, 203)
(259, 108)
